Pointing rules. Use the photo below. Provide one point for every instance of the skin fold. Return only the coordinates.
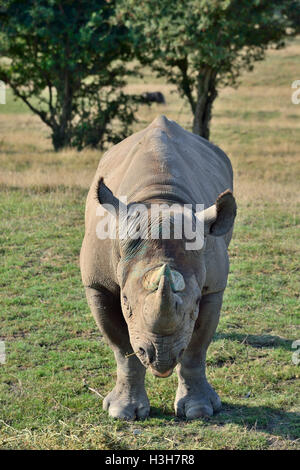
(156, 302)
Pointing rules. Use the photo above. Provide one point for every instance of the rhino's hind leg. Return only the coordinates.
(128, 399)
(195, 397)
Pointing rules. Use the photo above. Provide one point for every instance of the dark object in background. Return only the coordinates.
(154, 97)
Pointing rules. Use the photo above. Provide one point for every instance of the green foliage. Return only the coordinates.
(293, 14)
(67, 63)
(199, 45)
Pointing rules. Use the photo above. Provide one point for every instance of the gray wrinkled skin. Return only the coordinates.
(150, 297)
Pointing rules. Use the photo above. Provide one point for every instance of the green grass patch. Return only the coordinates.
(54, 349)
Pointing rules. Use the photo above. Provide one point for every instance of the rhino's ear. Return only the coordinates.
(106, 198)
(218, 219)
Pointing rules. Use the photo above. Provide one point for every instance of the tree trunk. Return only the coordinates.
(206, 94)
(61, 131)
(61, 135)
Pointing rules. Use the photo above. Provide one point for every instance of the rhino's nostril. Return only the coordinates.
(146, 353)
(151, 356)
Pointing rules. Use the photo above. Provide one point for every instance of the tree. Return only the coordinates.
(67, 62)
(201, 45)
(292, 11)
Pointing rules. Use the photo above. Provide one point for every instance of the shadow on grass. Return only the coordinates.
(260, 418)
(254, 418)
(257, 341)
(165, 415)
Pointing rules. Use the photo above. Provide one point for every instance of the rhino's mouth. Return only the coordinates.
(162, 375)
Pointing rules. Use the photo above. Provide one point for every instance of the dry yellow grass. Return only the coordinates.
(255, 124)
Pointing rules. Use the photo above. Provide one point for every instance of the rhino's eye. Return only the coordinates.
(127, 306)
(125, 301)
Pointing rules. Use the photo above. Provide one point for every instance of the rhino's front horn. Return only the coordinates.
(152, 278)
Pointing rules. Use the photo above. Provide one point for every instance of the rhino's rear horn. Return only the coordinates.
(152, 278)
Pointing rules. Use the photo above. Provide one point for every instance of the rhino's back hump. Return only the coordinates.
(166, 158)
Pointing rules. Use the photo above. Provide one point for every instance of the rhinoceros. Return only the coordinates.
(156, 302)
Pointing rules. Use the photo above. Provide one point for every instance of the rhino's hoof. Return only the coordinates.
(123, 406)
(201, 403)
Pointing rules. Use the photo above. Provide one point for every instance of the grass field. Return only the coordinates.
(55, 353)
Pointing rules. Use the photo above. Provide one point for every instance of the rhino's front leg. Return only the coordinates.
(128, 399)
(195, 397)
